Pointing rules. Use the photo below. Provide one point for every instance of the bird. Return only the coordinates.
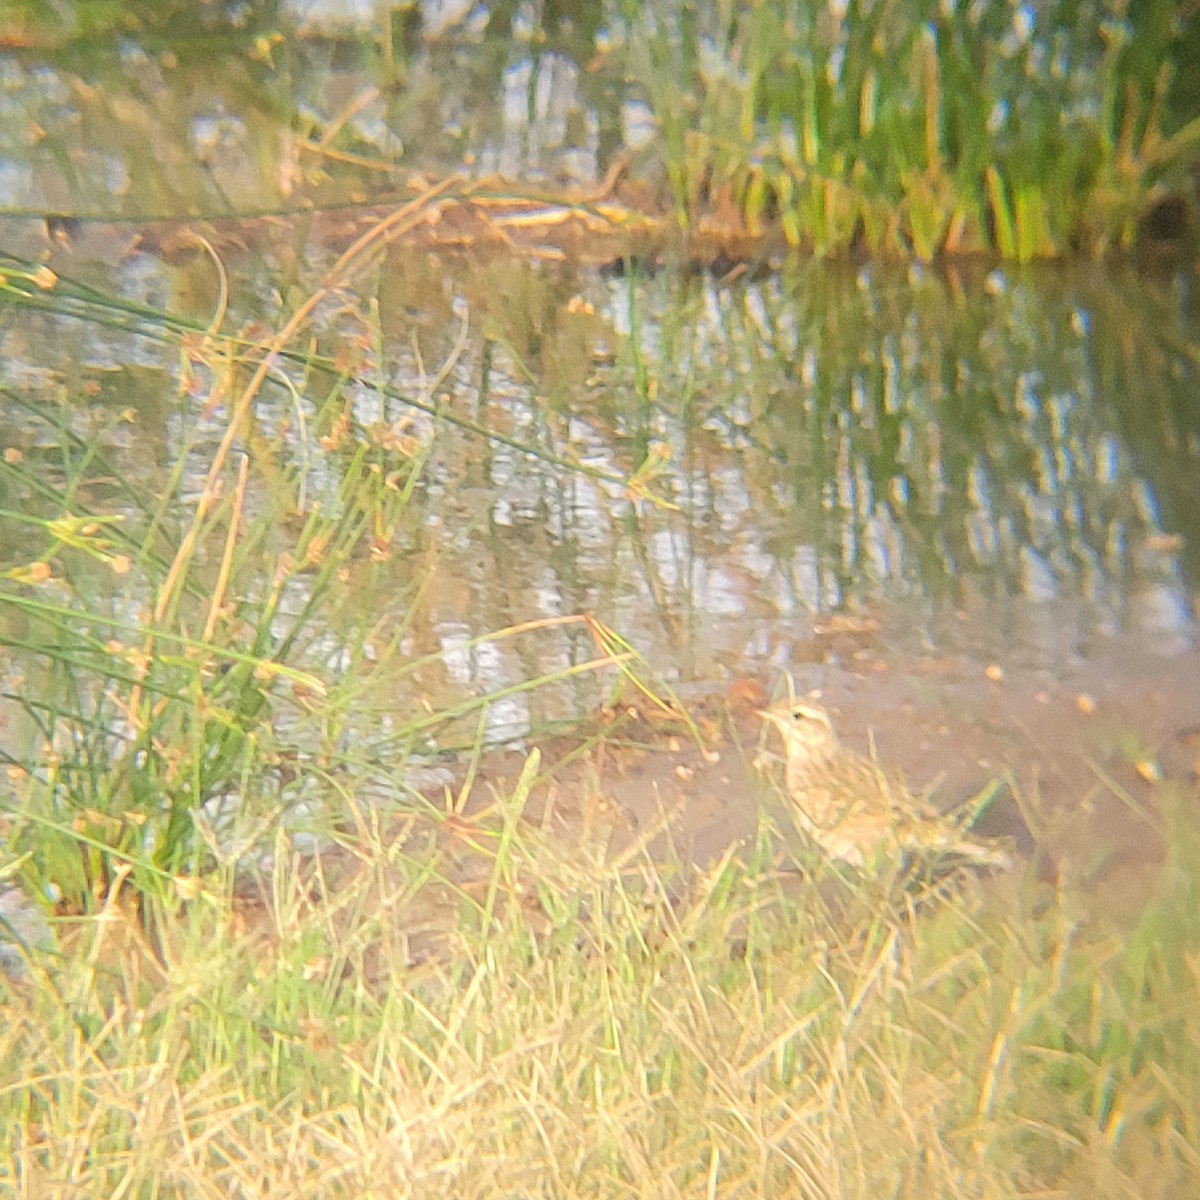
(851, 807)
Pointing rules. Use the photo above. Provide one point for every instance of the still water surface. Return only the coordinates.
(990, 477)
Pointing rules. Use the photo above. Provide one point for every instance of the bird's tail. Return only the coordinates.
(988, 856)
(965, 849)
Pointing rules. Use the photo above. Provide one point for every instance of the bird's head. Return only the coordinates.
(806, 729)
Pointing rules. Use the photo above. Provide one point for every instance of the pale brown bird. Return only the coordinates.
(853, 809)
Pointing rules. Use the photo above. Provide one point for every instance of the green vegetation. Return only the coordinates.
(449, 999)
(183, 636)
(572, 1025)
(919, 128)
(263, 944)
(922, 128)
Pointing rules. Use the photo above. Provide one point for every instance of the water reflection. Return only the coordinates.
(828, 440)
(176, 109)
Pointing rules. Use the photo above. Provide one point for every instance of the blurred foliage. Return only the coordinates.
(907, 129)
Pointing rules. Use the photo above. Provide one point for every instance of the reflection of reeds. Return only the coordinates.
(923, 433)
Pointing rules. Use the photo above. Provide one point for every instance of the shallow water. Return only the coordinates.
(963, 503)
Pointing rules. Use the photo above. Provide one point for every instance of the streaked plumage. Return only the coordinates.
(853, 809)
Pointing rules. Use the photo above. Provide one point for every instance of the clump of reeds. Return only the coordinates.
(919, 128)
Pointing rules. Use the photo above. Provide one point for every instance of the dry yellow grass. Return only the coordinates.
(578, 1027)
